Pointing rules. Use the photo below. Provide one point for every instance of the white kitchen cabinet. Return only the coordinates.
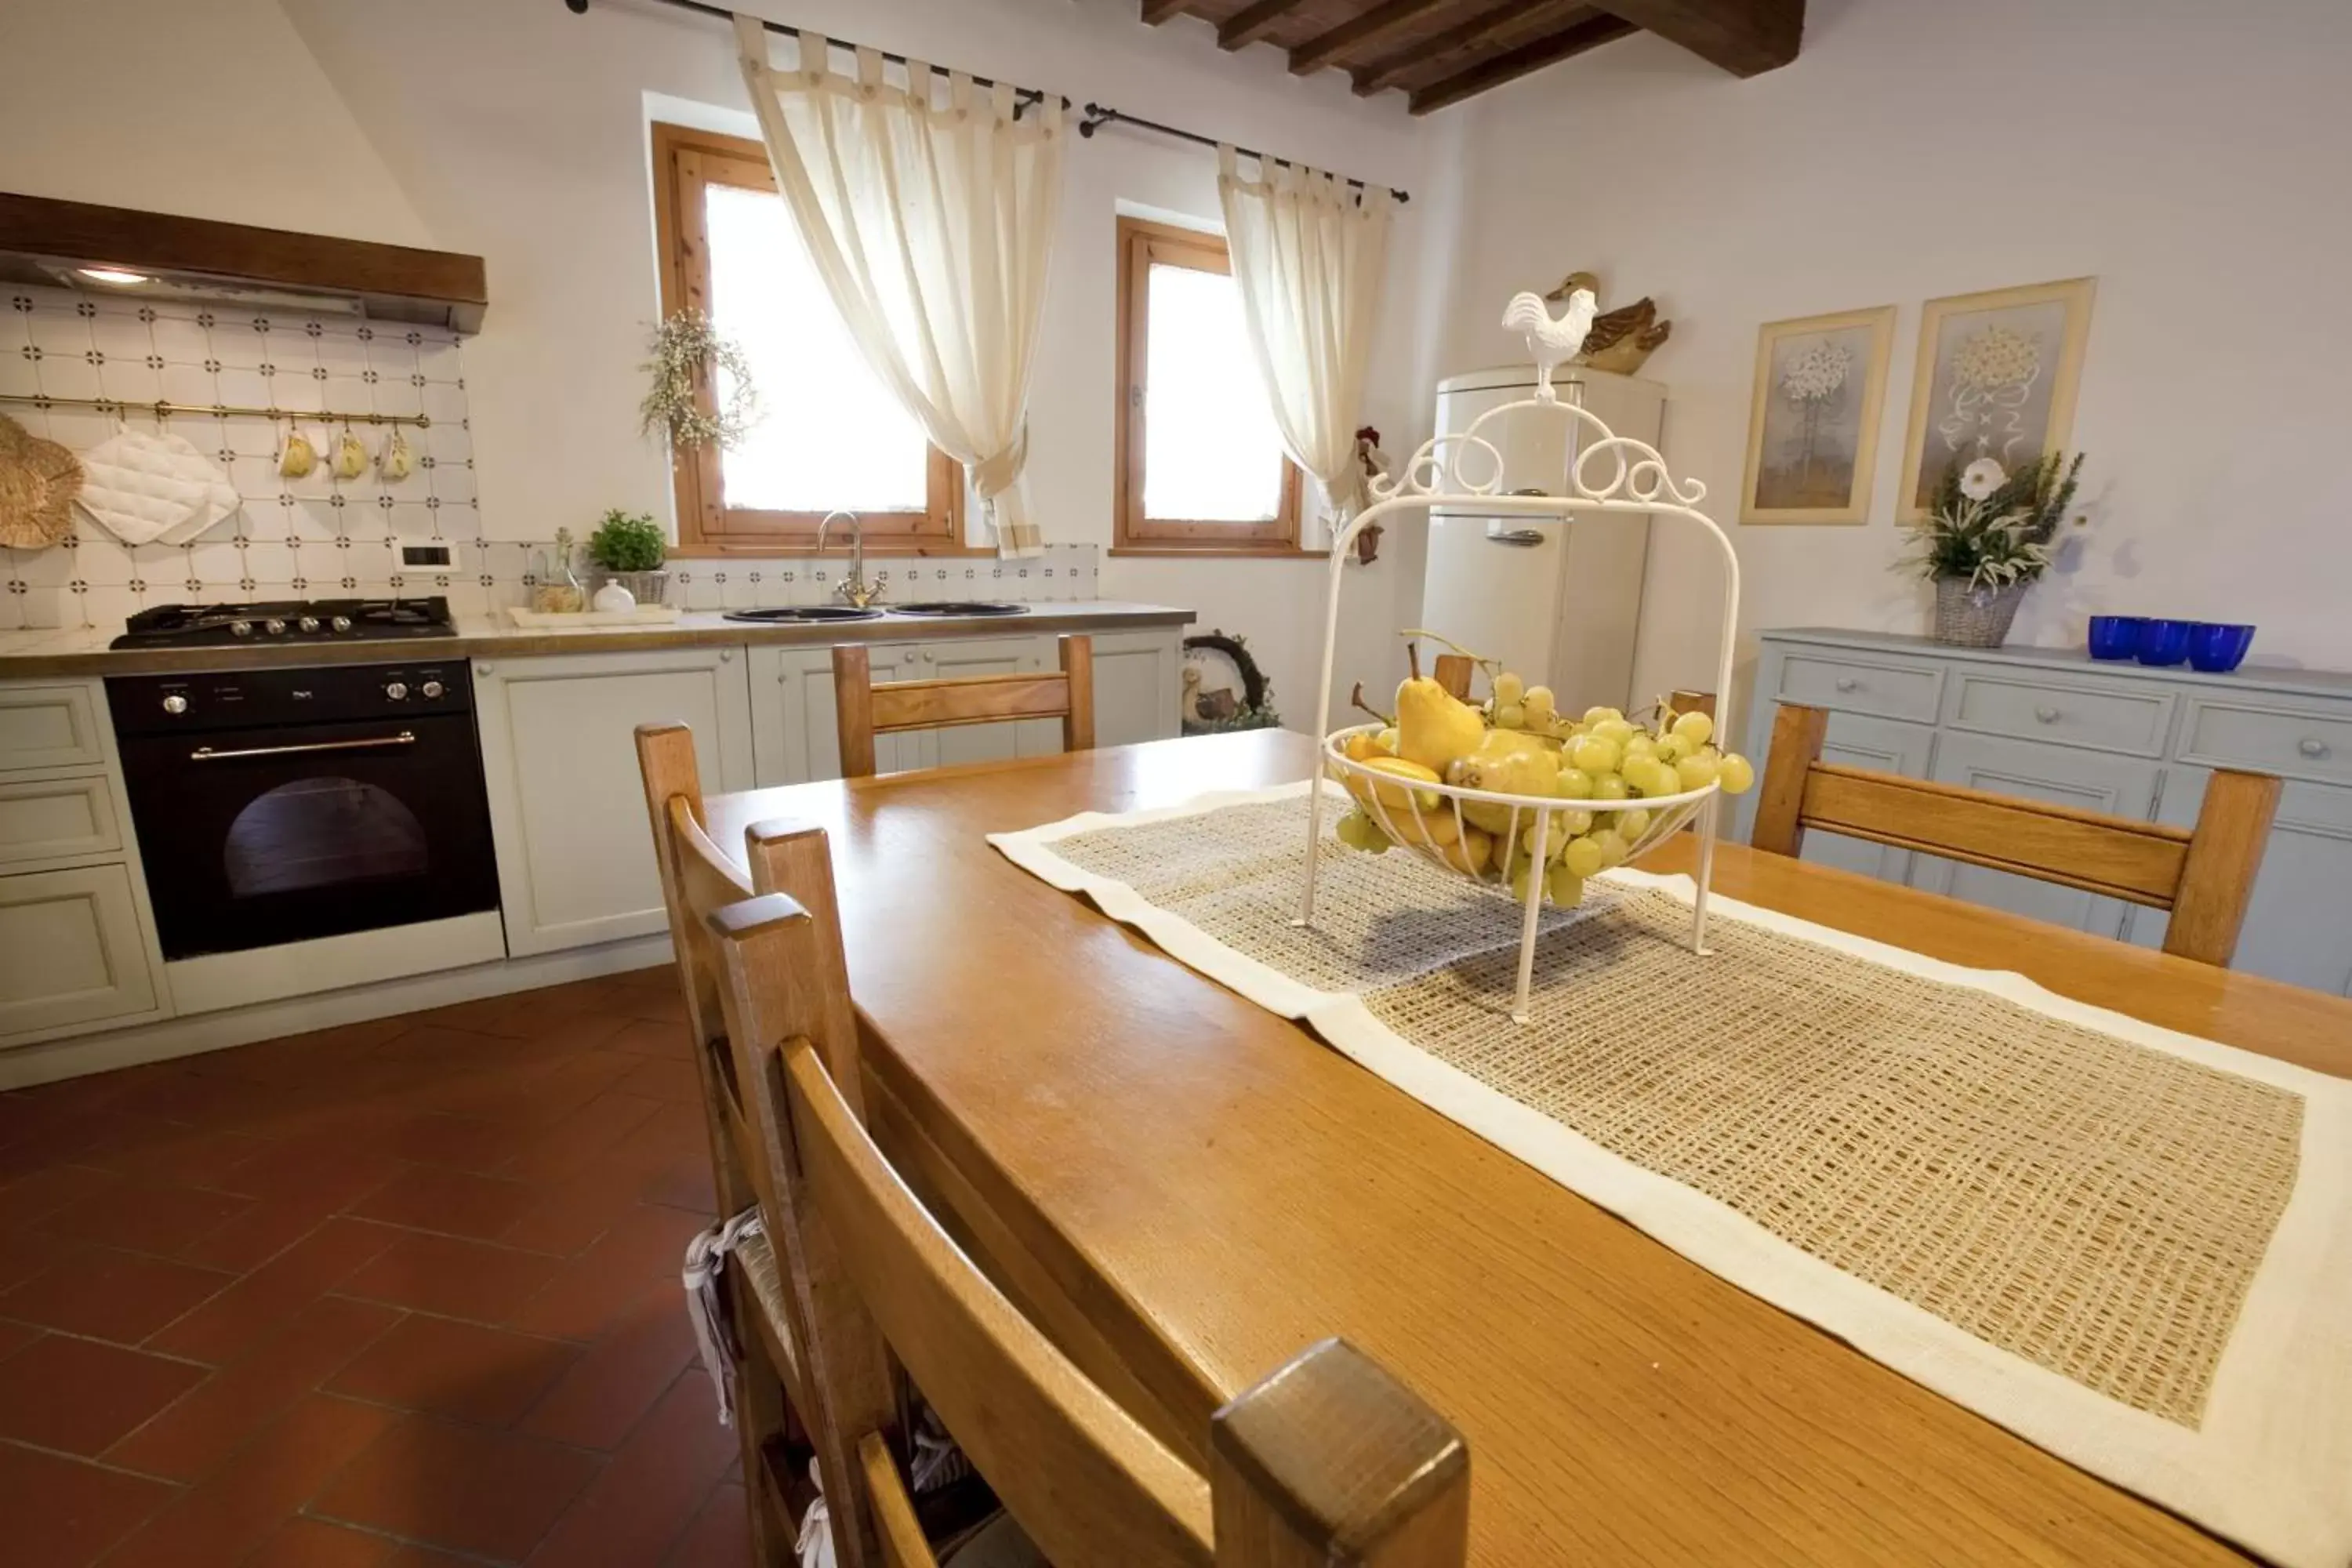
(567, 810)
(2289, 935)
(1138, 684)
(60, 816)
(793, 739)
(71, 951)
(52, 726)
(1889, 746)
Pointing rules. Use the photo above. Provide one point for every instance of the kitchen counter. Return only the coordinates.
(82, 651)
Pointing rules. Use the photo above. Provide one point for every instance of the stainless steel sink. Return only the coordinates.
(958, 607)
(804, 613)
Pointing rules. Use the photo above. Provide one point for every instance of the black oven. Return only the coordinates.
(276, 806)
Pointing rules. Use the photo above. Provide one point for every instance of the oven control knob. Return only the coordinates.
(341, 623)
(274, 626)
(241, 628)
(308, 623)
(397, 690)
(430, 688)
(176, 703)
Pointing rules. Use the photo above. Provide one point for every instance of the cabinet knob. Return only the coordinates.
(2046, 714)
(2312, 746)
(1848, 683)
(481, 669)
(726, 656)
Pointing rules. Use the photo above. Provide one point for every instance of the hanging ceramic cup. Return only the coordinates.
(351, 459)
(299, 457)
(396, 459)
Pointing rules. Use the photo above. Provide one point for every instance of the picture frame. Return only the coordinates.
(1997, 376)
(1813, 423)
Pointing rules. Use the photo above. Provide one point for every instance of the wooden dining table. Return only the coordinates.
(1184, 1190)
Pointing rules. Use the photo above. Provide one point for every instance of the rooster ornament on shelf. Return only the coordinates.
(1551, 343)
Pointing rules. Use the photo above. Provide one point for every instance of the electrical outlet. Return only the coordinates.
(425, 555)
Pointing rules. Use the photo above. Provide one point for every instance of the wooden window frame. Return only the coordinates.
(686, 162)
(1141, 245)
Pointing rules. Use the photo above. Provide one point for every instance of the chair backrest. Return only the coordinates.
(1328, 1461)
(2204, 877)
(863, 709)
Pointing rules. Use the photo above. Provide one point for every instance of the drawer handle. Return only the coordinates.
(1848, 683)
(2310, 746)
(2046, 714)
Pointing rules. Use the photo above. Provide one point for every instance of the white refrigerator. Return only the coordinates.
(1557, 600)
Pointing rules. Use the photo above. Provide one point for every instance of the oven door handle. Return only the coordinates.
(207, 755)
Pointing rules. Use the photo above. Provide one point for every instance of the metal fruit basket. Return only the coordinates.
(1610, 476)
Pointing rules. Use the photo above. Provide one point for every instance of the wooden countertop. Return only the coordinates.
(1184, 1190)
(82, 651)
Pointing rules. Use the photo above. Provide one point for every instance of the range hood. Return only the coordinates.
(118, 250)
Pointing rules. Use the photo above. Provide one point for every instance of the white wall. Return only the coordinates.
(2192, 156)
(516, 131)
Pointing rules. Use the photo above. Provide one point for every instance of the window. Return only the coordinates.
(830, 435)
(1200, 469)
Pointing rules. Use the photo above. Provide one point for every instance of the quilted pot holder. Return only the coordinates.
(153, 488)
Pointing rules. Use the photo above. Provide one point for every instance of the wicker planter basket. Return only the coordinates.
(646, 587)
(1976, 618)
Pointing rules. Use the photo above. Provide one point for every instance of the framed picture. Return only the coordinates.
(1995, 379)
(1812, 431)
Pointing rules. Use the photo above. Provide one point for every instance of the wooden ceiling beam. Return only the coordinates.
(1745, 38)
(1387, 71)
(1158, 11)
(1251, 23)
(1325, 47)
(1511, 63)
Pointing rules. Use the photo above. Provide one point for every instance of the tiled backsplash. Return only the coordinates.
(319, 537)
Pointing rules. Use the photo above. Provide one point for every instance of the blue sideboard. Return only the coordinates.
(2056, 725)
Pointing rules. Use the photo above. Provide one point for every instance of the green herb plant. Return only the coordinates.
(627, 542)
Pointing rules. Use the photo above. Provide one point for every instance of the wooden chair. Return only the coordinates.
(2204, 877)
(698, 879)
(864, 709)
(1327, 1461)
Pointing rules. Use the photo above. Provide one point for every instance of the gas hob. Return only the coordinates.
(287, 621)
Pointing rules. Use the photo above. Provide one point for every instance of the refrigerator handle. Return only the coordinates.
(1526, 538)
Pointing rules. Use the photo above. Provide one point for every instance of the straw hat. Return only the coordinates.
(38, 480)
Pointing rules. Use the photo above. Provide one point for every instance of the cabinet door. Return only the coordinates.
(793, 733)
(983, 742)
(1139, 685)
(70, 951)
(559, 753)
(2299, 927)
(1889, 746)
(2088, 781)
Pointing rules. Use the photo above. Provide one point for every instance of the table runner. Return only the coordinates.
(2130, 1246)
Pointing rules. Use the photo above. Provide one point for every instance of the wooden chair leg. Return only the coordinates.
(1453, 672)
(1332, 1463)
(2217, 880)
(1078, 665)
(1797, 736)
(1692, 702)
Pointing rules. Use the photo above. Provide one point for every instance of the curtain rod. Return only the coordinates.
(1099, 115)
(1023, 96)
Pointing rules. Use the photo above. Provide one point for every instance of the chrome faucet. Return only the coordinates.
(854, 588)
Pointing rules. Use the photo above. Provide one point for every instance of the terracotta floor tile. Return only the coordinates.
(490, 1493)
(25, 1253)
(456, 1278)
(15, 1337)
(610, 1389)
(444, 1367)
(664, 1078)
(299, 1059)
(34, 1195)
(645, 1245)
(196, 1158)
(448, 1201)
(79, 1395)
(454, 1142)
(328, 1169)
(263, 1231)
(196, 1435)
(256, 1307)
(61, 1513)
(415, 1556)
(160, 1217)
(311, 1543)
(651, 1037)
(721, 1535)
(110, 1295)
(649, 1494)
(226, 1516)
(573, 1145)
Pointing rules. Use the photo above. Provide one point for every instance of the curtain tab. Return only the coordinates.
(869, 69)
(1000, 100)
(919, 82)
(1228, 167)
(751, 42)
(816, 57)
(959, 92)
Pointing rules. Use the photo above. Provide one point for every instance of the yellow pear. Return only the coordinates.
(1507, 764)
(1433, 726)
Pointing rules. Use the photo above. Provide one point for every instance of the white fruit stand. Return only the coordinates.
(1614, 476)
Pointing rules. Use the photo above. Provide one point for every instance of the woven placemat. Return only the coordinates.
(2012, 1175)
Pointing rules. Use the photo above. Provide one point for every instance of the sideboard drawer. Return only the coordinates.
(2135, 722)
(2288, 741)
(1861, 683)
(50, 819)
(49, 727)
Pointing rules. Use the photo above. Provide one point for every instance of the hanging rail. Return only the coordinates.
(1023, 96)
(163, 409)
(1099, 115)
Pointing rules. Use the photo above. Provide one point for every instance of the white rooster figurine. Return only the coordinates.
(1550, 343)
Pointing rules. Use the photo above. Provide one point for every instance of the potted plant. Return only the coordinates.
(629, 549)
(1988, 537)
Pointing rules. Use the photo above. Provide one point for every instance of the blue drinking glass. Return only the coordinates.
(2218, 647)
(2116, 636)
(2164, 642)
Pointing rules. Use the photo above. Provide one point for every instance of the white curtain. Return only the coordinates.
(932, 225)
(1308, 259)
